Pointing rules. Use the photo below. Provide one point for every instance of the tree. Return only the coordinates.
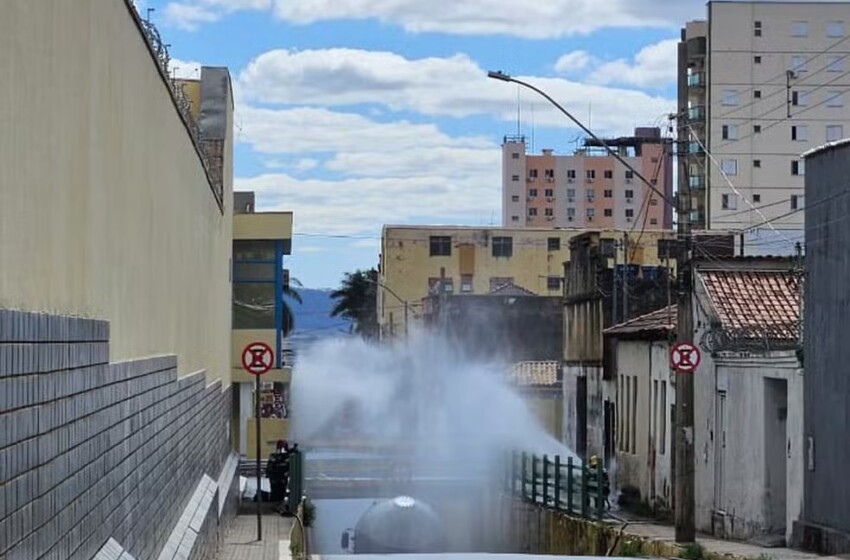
(356, 300)
(288, 315)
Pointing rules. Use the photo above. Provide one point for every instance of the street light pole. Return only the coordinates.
(684, 421)
(399, 298)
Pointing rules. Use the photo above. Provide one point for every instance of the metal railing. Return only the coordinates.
(565, 486)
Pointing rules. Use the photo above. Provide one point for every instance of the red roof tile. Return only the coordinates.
(511, 289)
(534, 374)
(762, 299)
(663, 319)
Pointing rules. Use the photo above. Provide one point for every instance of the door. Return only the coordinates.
(720, 452)
(609, 431)
(775, 453)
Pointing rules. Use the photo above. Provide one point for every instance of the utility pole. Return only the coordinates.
(626, 276)
(684, 435)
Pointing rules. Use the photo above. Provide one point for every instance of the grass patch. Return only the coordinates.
(631, 548)
(693, 551)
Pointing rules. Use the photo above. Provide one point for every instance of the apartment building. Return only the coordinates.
(589, 189)
(759, 84)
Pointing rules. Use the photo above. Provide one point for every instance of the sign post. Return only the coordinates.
(684, 357)
(257, 359)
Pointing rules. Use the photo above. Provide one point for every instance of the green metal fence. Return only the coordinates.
(566, 486)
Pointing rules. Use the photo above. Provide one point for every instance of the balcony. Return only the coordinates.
(696, 114)
(696, 80)
(696, 181)
(695, 149)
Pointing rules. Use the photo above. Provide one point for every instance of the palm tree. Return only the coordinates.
(357, 302)
(290, 293)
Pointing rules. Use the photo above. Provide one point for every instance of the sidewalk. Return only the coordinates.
(664, 536)
(240, 541)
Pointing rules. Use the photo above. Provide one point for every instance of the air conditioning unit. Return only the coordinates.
(589, 180)
(550, 199)
(628, 180)
(528, 198)
(630, 200)
(629, 219)
(550, 218)
(590, 199)
(571, 180)
(590, 218)
(550, 179)
(569, 218)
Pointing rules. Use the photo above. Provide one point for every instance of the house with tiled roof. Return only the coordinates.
(639, 352)
(748, 395)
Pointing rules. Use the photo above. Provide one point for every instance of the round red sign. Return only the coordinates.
(684, 357)
(257, 358)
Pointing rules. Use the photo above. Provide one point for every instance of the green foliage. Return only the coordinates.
(631, 548)
(693, 551)
(357, 301)
(309, 513)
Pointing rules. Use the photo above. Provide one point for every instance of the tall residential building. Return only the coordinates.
(759, 84)
(589, 189)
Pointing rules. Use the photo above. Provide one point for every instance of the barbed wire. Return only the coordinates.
(761, 338)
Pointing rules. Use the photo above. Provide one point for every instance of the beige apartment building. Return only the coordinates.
(589, 189)
(759, 84)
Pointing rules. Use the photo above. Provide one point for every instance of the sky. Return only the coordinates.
(358, 113)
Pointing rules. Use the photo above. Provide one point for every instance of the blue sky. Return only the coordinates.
(357, 113)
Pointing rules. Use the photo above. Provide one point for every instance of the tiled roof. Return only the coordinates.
(663, 319)
(754, 299)
(511, 289)
(534, 374)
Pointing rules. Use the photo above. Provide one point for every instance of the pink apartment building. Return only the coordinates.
(589, 189)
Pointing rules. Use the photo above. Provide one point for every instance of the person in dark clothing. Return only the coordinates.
(277, 471)
(592, 469)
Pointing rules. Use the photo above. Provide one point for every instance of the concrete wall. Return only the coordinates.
(739, 484)
(106, 210)
(644, 449)
(827, 391)
(93, 450)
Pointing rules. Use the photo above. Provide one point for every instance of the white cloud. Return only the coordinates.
(186, 69)
(652, 67)
(573, 62)
(452, 86)
(306, 164)
(189, 16)
(312, 249)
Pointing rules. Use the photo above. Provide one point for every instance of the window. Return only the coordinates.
(448, 285)
(630, 212)
(515, 198)
(532, 192)
(834, 99)
(532, 211)
(514, 177)
(757, 94)
(550, 173)
(662, 413)
(549, 193)
(729, 201)
(834, 132)
(441, 245)
(590, 174)
(553, 283)
(798, 167)
(571, 214)
(797, 202)
(756, 198)
(729, 97)
(630, 193)
(800, 133)
(756, 59)
(653, 221)
(633, 419)
(630, 175)
(653, 202)
(554, 244)
(548, 212)
(503, 246)
(591, 194)
(608, 212)
(609, 174)
(835, 29)
(729, 166)
(799, 29)
(532, 174)
(571, 194)
(466, 283)
(515, 155)
(608, 193)
(756, 128)
(798, 63)
(591, 212)
(800, 98)
(571, 173)
(834, 64)
(756, 163)
(514, 218)
(730, 131)
(757, 28)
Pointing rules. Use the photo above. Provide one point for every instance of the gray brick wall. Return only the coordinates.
(92, 450)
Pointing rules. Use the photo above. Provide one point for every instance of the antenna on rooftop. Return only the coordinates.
(518, 112)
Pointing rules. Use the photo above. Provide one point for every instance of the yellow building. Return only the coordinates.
(260, 241)
(420, 260)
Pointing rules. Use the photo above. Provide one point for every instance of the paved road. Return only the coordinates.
(240, 541)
